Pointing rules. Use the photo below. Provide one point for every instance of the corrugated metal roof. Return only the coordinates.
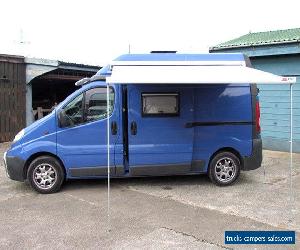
(79, 65)
(262, 38)
(57, 63)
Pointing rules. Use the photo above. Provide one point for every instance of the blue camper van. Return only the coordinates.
(154, 129)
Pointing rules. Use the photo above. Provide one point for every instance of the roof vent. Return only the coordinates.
(163, 51)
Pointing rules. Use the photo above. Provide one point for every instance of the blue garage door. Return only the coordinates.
(275, 116)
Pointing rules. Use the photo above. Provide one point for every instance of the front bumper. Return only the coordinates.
(254, 160)
(14, 167)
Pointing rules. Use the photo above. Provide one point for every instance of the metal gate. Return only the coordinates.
(12, 96)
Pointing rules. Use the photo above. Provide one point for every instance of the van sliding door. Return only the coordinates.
(159, 142)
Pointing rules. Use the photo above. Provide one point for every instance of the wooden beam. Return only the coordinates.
(61, 77)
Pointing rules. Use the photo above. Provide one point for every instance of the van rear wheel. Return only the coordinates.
(45, 174)
(224, 169)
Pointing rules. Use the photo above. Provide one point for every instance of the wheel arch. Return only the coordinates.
(227, 149)
(36, 155)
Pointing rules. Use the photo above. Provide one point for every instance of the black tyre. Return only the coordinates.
(45, 174)
(224, 168)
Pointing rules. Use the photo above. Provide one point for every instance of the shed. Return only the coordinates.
(277, 52)
(31, 87)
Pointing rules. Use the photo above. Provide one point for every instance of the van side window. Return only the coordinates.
(95, 104)
(160, 104)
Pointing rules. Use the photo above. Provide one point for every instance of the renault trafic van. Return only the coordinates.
(154, 130)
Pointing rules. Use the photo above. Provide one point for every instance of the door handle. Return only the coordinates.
(114, 128)
(189, 125)
(133, 128)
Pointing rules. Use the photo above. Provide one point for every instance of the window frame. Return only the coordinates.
(83, 121)
(72, 125)
(177, 94)
(84, 108)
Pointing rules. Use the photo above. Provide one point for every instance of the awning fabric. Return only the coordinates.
(192, 74)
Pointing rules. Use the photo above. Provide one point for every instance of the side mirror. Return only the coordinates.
(63, 121)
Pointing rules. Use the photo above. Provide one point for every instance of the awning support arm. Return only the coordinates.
(291, 142)
(108, 156)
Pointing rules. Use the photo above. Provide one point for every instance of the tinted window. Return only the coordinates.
(160, 104)
(94, 107)
(95, 104)
(74, 110)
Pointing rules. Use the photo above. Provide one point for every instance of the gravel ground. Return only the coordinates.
(182, 212)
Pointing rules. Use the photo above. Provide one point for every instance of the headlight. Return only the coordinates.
(19, 135)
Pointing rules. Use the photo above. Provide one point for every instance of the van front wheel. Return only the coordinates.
(45, 174)
(224, 169)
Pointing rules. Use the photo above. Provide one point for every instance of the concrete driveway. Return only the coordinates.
(182, 212)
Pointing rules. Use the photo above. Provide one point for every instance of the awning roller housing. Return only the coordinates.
(192, 74)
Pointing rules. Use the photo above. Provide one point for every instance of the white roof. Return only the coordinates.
(191, 73)
(178, 63)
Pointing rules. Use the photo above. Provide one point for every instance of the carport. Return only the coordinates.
(53, 87)
(48, 82)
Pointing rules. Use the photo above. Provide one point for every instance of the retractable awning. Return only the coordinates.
(192, 74)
